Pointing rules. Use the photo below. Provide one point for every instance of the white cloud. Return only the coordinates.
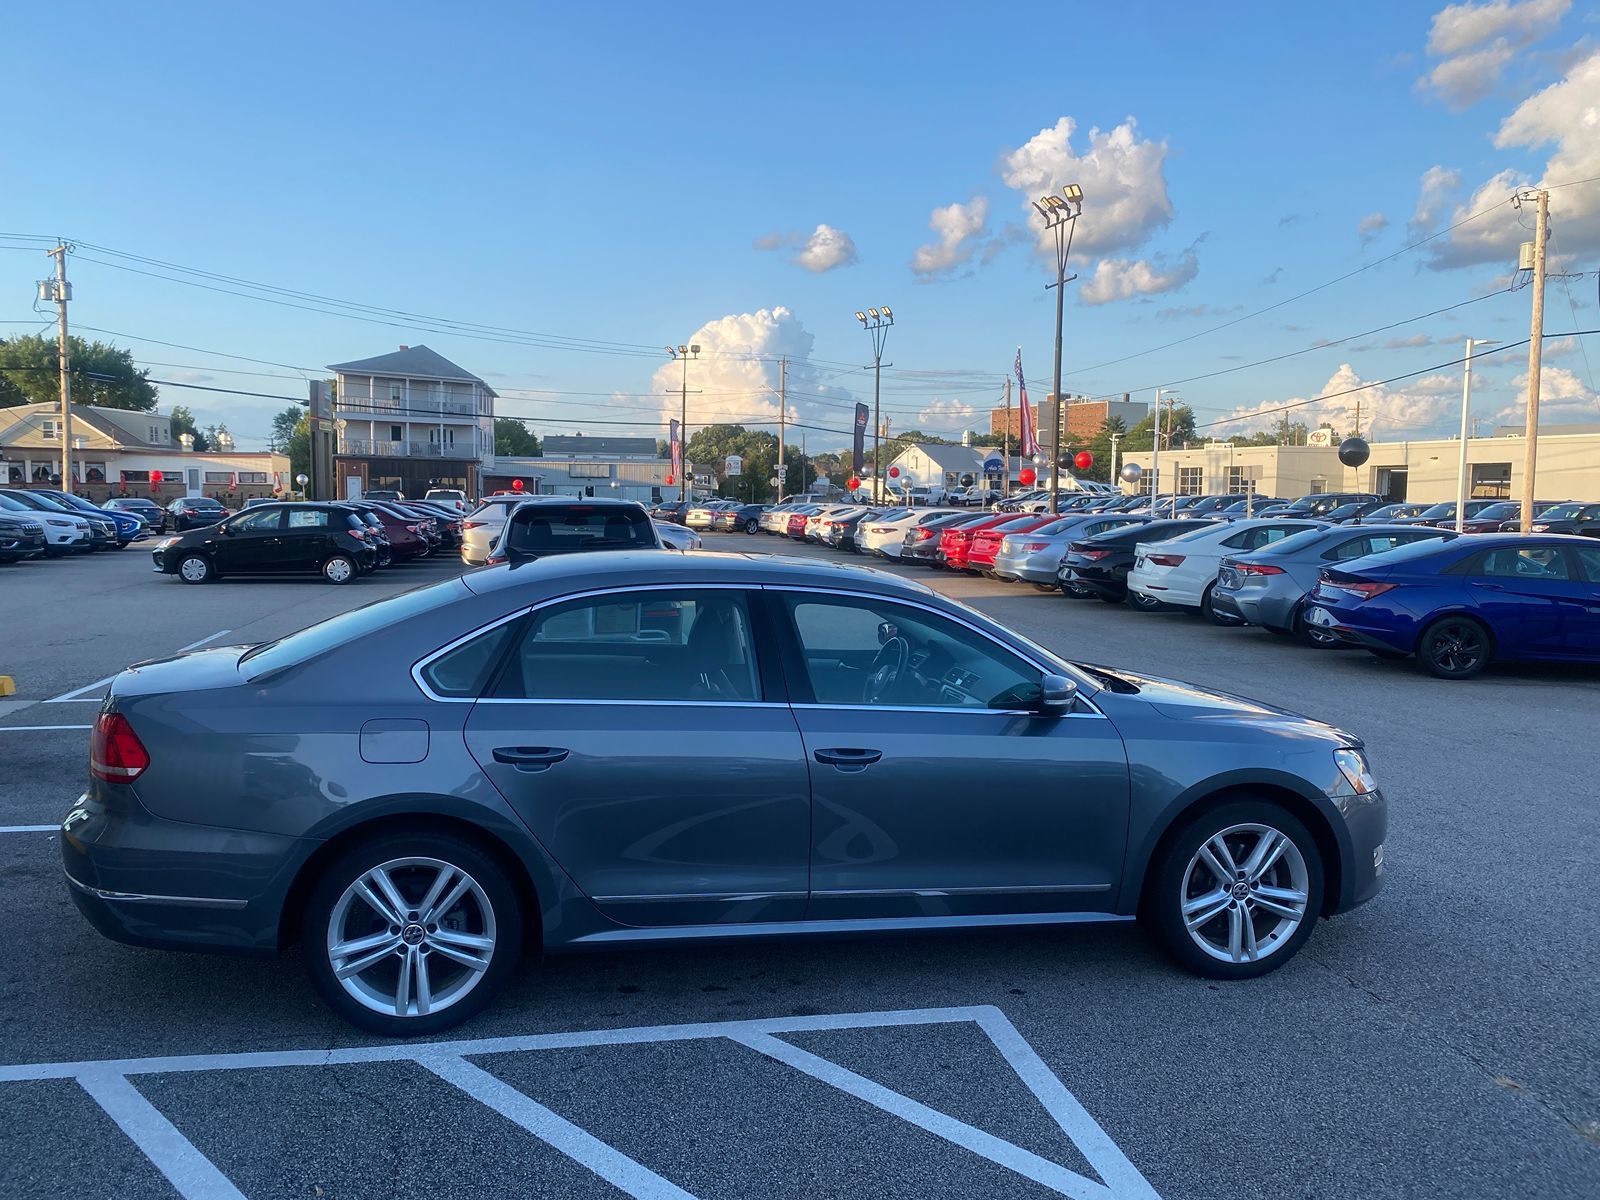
(735, 379)
(958, 226)
(1122, 176)
(945, 416)
(1423, 407)
(821, 250)
(1567, 115)
(1433, 194)
(1371, 226)
(1122, 279)
(1476, 42)
(1564, 398)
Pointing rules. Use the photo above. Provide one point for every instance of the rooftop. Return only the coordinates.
(409, 362)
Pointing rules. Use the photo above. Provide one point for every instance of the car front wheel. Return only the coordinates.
(340, 568)
(196, 568)
(1236, 892)
(411, 933)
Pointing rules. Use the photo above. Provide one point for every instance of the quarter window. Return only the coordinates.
(683, 645)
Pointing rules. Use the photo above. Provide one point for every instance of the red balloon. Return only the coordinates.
(155, 478)
(1084, 460)
(894, 472)
(1027, 475)
(669, 480)
(516, 485)
(855, 482)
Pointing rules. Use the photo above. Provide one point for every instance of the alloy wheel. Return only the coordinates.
(411, 937)
(1245, 893)
(1456, 648)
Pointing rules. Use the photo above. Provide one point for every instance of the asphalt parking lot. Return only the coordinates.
(1444, 1040)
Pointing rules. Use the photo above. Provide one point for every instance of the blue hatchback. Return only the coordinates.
(1458, 605)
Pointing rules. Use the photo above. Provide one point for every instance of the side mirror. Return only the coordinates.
(1057, 695)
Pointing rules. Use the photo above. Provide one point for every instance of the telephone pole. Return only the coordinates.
(876, 321)
(61, 292)
(1005, 486)
(1541, 233)
(783, 416)
(683, 354)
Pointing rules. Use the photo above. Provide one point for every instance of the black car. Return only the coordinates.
(840, 531)
(449, 522)
(192, 512)
(20, 538)
(274, 539)
(1582, 519)
(1099, 565)
(676, 511)
(740, 516)
(569, 527)
(147, 511)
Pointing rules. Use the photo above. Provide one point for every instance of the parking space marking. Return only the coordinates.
(76, 695)
(39, 728)
(30, 828)
(109, 1082)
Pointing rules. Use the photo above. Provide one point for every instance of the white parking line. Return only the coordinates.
(76, 695)
(109, 1082)
(30, 828)
(39, 728)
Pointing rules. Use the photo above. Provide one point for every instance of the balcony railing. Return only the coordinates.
(406, 449)
(416, 408)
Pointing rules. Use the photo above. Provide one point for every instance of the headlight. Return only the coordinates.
(165, 542)
(1353, 766)
(58, 523)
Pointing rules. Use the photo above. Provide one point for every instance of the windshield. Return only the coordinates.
(1561, 512)
(1447, 509)
(1499, 512)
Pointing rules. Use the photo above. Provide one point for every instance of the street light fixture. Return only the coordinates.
(876, 322)
(1060, 215)
(683, 354)
(1466, 409)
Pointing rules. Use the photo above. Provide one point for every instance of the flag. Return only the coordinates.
(859, 449)
(674, 435)
(1029, 448)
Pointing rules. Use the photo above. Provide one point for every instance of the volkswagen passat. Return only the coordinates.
(596, 749)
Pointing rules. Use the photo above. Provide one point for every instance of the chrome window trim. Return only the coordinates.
(1031, 889)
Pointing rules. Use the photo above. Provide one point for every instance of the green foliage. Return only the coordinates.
(710, 445)
(291, 434)
(1141, 436)
(102, 375)
(183, 422)
(512, 437)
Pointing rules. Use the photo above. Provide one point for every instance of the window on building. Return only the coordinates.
(219, 476)
(49, 430)
(1491, 481)
(1318, 486)
(396, 433)
(135, 476)
(155, 434)
(1190, 481)
(94, 472)
(1238, 485)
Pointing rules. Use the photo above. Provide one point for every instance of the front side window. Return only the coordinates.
(667, 644)
(257, 522)
(864, 651)
(1527, 562)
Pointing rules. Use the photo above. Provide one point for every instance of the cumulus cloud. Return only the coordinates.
(1565, 115)
(1123, 279)
(958, 227)
(1122, 175)
(1476, 42)
(735, 379)
(1433, 195)
(1422, 407)
(1563, 398)
(821, 250)
(946, 416)
(1370, 227)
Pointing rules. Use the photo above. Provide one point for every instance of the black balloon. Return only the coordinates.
(1354, 451)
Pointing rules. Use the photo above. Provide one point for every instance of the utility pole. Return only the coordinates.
(1060, 215)
(62, 292)
(876, 321)
(683, 354)
(1541, 233)
(1155, 440)
(1005, 485)
(783, 416)
(1115, 438)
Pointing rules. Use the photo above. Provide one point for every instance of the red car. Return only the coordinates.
(955, 544)
(986, 543)
(797, 523)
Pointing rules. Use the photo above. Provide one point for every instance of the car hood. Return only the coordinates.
(1180, 701)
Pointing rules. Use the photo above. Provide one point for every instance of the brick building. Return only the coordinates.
(1085, 417)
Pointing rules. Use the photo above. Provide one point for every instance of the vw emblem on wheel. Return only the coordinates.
(412, 935)
(1241, 890)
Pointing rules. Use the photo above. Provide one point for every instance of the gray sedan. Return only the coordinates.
(1269, 586)
(601, 749)
(1033, 557)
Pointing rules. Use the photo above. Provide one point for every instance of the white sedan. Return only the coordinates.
(1180, 571)
(885, 534)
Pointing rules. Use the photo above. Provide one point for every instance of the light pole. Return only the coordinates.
(876, 321)
(683, 354)
(1466, 409)
(1155, 461)
(1060, 215)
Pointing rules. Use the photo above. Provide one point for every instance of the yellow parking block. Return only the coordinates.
(8, 686)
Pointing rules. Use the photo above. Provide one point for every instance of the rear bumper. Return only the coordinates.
(1258, 607)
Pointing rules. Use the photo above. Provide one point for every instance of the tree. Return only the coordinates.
(512, 438)
(182, 421)
(291, 435)
(1141, 436)
(102, 375)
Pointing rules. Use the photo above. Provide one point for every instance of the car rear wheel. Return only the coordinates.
(410, 933)
(1454, 648)
(196, 568)
(1237, 891)
(752, 525)
(340, 568)
(1213, 614)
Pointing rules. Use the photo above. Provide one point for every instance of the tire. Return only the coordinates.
(340, 569)
(1144, 603)
(489, 911)
(1179, 876)
(752, 525)
(1310, 635)
(1208, 610)
(1455, 647)
(196, 568)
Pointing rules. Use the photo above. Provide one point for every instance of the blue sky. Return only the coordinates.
(610, 172)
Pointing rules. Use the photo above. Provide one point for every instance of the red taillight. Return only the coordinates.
(473, 524)
(1257, 569)
(1091, 555)
(359, 535)
(191, 512)
(115, 752)
(1166, 560)
(1365, 588)
(414, 528)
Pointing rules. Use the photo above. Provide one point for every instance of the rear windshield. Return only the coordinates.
(360, 622)
(561, 528)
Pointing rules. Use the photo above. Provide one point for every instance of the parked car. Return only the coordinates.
(1357, 510)
(827, 512)
(414, 870)
(739, 517)
(452, 498)
(377, 534)
(1182, 571)
(146, 510)
(884, 532)
(955, 541)
(1268, 587)
(676, 537)
(192, 512)
(65, 532)
(1035, 557)
(407, 537)
(670, 510)
(986, 543)
(975, 496)
(1491, 519)
(20, 537)
(447, 520)
(839, 530)
(795, 526)
(1460, 605)
(567, 525)
(274, 539)
(1581, 519)
(1385, 513)
(382, 494)
(1319, 504)
(1099, 565)
(1444, 514)
(481, 527)
(921, 542)
(127, 527)
(699, 516)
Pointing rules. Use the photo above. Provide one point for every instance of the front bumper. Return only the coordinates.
(1366, 825)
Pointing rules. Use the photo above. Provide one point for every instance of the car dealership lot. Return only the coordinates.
(1440, 1041)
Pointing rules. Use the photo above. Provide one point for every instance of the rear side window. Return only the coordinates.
(463, 673)
(308, 518)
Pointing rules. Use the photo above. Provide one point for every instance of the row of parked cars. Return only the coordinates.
(48, 523)
(1329, 569)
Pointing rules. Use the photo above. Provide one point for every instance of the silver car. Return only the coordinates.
(592, 750)
(1268, 587)
(1034, 556)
